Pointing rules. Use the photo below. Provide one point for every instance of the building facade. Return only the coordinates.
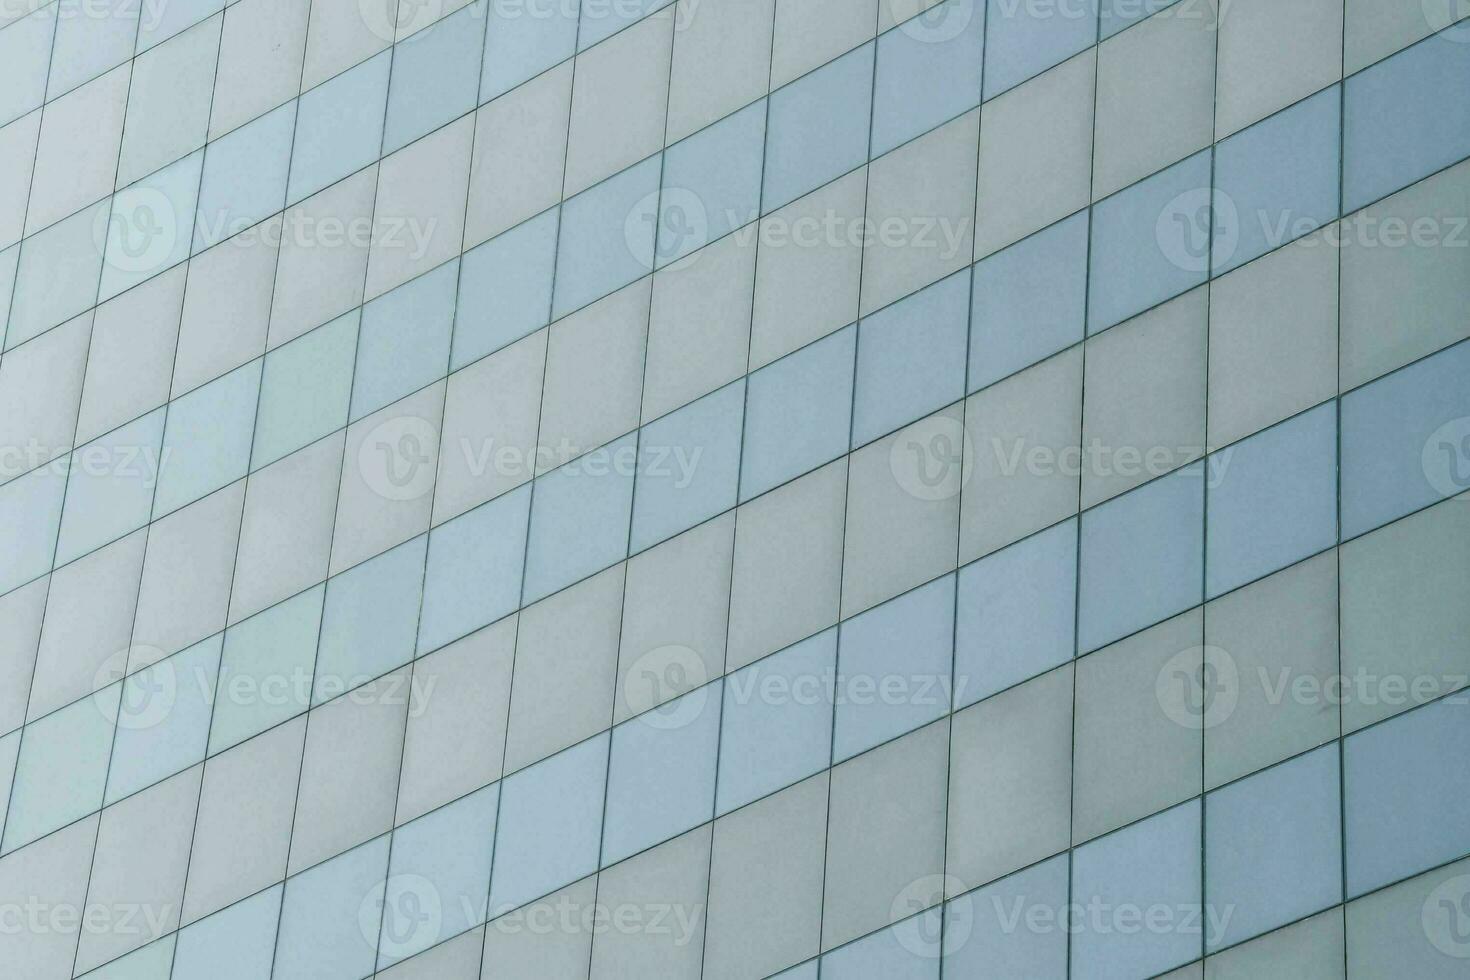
(723, 489)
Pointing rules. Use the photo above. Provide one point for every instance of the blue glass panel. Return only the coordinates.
(893, 668)
(777, 721)
(579, 524)
(244, 177)
(818, 128)
(436, 73)
(1406, 783)
(550, 825)
(62, 768)
(207, 439)
(1151, 865)
(911, 358)
(525, 39)
(474, 569)
(339, 127)
(1280, 177)
(30, 512)
(1000, 942)
(712, 183)
(322, 934)
(1273, 500)
(1024, 39)
(369, 621)
(928, 72)
(688, 466)
(797, 412)
(1404, 119)
(268, 659)
(1142, 558)
(1273, 847)
(904, 951)
(403, 344)
(606, 237)
(163, 719)
(1405, 442)
(1030, 301)
(236, 943)
(661, 779)
(1150, 242)
(439, 876)
(304, 390)
(1016, 613)
(505, 289)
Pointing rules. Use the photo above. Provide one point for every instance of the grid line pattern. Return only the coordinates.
(1049, 566)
